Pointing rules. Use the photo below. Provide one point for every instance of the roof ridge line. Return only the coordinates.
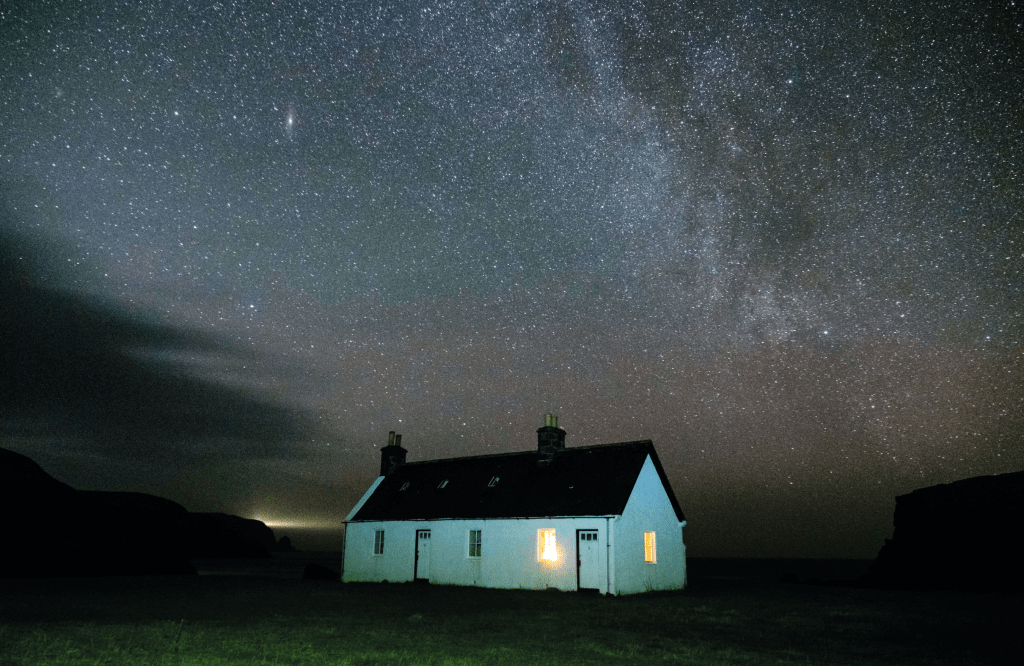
(519, 453)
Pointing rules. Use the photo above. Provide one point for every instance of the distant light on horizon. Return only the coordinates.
(297, 523)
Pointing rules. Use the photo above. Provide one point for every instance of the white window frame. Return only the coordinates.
(378, 542)
(478, 543)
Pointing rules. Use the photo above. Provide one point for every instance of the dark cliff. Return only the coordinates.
(960, 535)
(55, 530)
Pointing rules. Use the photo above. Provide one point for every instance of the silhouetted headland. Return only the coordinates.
(953, 536)
(960, 535)
(55, 530)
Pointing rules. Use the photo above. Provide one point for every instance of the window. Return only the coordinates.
(442, 484)
(546, 549)
(650, 548)
(378, 542)
(494, 481)
(405, 486)
(475, 543)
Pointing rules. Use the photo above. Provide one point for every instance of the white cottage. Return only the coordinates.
(587, 518)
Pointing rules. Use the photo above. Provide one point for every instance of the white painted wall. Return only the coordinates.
(508, 552)
(395, 565)
(648, 510)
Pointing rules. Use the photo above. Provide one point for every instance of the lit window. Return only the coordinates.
(494, 481)
(546, 545)
(650, 548)
(378, 542)
(442, 484)
(474, 543)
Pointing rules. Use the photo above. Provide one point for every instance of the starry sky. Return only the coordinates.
(242, 241)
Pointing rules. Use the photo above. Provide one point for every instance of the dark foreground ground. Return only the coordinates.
(734, 612)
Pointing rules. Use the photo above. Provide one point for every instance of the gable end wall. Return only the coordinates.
(649, 510)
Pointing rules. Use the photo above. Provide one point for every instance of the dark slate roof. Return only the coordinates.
(580, 481)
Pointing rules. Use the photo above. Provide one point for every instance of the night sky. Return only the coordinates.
(242, 241)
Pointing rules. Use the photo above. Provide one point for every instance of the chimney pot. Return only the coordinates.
(549, 438)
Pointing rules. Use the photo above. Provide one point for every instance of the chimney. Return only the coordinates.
(392, 455)
(549, 439)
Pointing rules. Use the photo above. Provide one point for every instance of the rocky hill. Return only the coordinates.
(960, 535)
(51, 529)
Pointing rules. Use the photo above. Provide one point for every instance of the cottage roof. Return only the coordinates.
(579, 481)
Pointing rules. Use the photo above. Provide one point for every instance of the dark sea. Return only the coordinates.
(280, 565)
(291, 565)
(772, 569)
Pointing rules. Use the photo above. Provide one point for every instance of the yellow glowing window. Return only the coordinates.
(546, 545)
(650, 548)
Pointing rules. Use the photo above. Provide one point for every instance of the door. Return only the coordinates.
(588, 573)
(422, 567)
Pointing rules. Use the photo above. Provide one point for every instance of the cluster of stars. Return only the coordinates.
(728, 229)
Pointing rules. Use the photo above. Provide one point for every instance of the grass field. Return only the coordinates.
(717, 620)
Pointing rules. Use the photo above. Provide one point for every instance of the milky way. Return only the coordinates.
(785, 241)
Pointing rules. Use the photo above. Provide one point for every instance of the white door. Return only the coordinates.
(587, 550)
(422, 555)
